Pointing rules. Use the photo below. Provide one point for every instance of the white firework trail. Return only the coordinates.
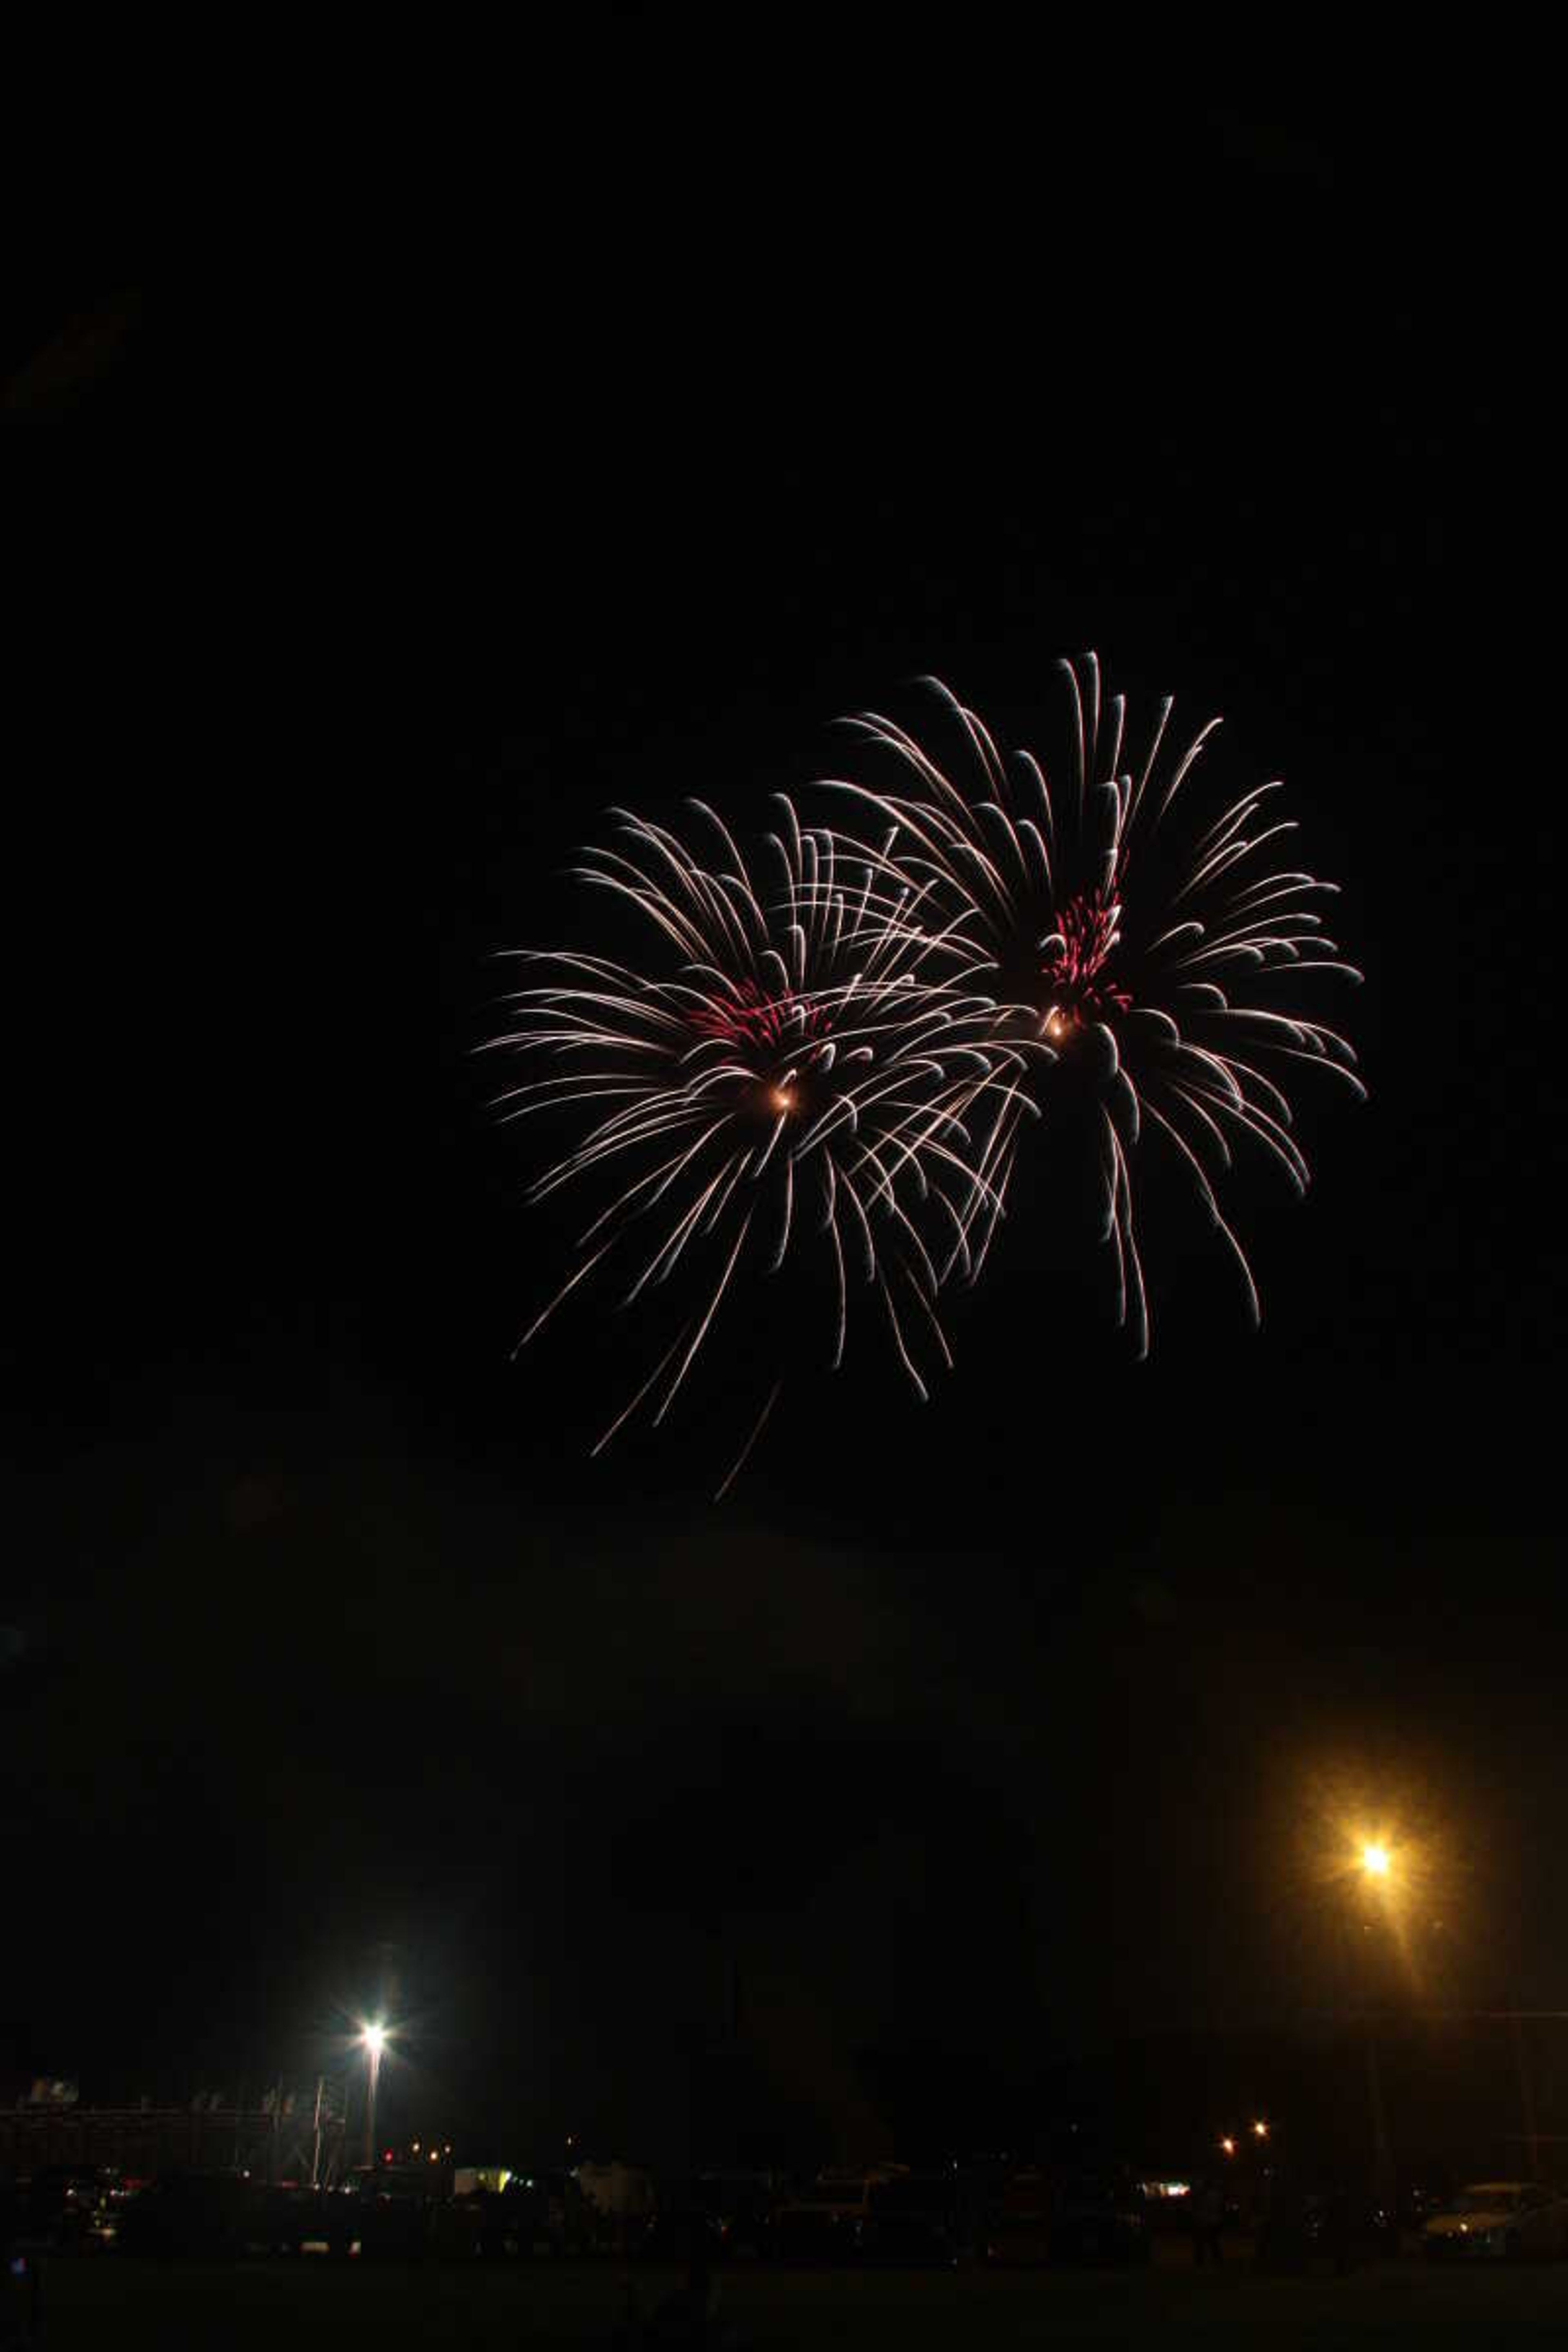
(794, 1076)
(1159, 958)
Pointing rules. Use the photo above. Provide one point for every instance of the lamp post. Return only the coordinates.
(374, 2040)
(1377, 1875)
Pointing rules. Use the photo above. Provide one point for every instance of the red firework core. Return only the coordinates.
(751, 1019)
(1073, 973)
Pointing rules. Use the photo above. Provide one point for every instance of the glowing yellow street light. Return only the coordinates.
(1375, 1859)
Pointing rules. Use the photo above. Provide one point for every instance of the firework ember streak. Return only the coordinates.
(793, 1076)
(1169, 956)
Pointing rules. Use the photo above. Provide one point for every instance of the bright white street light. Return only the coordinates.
(374, 2040)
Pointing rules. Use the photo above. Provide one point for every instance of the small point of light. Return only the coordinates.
(1259, 2130)
(782, 1100)
(1374, 1860)
(1229, 2146)
(375, 2039)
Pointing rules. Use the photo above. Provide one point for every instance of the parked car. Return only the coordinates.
(568, 2217)
(912, 2220)
(1097, 2217)
(822, 2222)
(73, 2210)
(1336, 2223)
(456, 2228)
(1020, 2222)
(1074, 2217)
(1421, 2197)
(390, 2213)
(292, 2218)
(513, 2222)
(188, 2214)
(1498, 2220)
(741, 2208)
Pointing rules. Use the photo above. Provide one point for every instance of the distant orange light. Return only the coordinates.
(781, 1100)
(1374, 1860)
(1259, 2131)
(1229, 2146)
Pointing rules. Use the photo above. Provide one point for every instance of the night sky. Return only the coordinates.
(1001, 1731)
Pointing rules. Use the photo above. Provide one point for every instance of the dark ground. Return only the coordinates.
(137, 2305)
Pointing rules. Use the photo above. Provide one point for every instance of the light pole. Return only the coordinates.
(374, 2040)
(1376, 1870)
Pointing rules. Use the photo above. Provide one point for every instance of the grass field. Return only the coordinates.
(295, 2307)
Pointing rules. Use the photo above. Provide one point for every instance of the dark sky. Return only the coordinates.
(611, 463)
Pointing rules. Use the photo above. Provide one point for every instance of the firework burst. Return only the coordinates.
(1163, 957)
(788, 1089)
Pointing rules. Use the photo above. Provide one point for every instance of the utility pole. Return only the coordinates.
(1379, 1878)
(373, 2051)
(316, 2134)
